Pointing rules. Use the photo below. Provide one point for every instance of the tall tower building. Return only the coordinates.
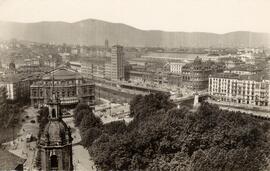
(55, 143)
(106, 44)
(117, 63)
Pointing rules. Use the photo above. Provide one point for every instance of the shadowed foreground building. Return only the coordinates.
(55, 144)
(70, 87)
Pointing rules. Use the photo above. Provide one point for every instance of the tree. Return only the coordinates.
(90, 136)
(163, 138)
(115, 127)
(80, 111)
(144, 106)
(90, 121)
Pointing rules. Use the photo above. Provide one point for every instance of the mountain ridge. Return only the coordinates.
(95, 32)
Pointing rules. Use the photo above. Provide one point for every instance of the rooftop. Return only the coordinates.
(62, 74)
(245, 67)
(255, 77)
(9, 161)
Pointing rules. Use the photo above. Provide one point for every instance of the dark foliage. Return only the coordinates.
(10, 115)
(90, 135)
(90, 126)
(116, 127)
(144, 106)
(80, 111)
(90, 121)
(163, 138)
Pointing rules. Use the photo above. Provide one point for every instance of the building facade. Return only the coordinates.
(18, 86)
(70, 87)
(108, 68)
(176, 68)
(250, 90)
(117, 63)
(195, 75)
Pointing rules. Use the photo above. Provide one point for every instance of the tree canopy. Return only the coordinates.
(162, 137)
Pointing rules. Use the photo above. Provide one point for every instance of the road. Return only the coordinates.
(81, 158)
(19, 146)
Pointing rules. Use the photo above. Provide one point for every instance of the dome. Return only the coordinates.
(56, 132)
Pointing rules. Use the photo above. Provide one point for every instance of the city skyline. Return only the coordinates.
(188, 16)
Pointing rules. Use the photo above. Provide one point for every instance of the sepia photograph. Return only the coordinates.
(134, 85)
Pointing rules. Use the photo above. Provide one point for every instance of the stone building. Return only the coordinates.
(195, 75)
(55, 143)
(70, 87)
(247, 90)
(117, 63)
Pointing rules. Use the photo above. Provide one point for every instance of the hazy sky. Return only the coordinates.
(217, 16)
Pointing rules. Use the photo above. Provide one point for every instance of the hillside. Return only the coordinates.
(94, 32)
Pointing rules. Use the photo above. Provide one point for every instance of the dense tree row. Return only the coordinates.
(10, 113)
(162, 137)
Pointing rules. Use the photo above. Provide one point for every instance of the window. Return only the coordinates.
(53, 113)
(54, 162)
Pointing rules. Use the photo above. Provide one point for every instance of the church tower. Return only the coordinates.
(55, 143)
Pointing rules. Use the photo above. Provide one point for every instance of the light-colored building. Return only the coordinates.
(11, 89)
(117, 63)
(87, 69)
(176, 68)
(250, 90)
(93, 68)
(17, 86)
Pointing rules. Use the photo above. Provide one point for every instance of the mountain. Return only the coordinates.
(94, 32)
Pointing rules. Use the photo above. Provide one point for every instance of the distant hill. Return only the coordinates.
(94, 32)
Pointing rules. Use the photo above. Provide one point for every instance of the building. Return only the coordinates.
(176, 68)
(174, 79)
(75, 65)
(17, 86)
(117, 63)
(55, 143)
(245, 69)
(87, 69)
(106, 44)
(70, 87)
(231, 62)
(108, 68)
(247, 90)
(141, 76)
(93, 68)
(195, 75)
(12, 88)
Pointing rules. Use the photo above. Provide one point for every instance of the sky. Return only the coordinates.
(218, 16)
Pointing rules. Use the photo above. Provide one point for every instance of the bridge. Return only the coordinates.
(191, 97)
(142, 88)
